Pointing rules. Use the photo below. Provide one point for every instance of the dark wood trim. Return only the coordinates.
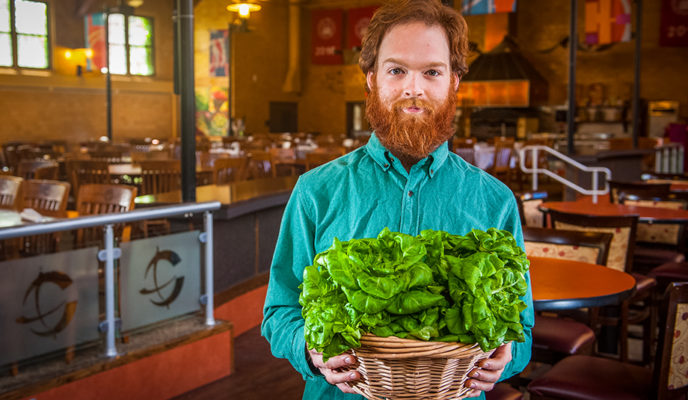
(244, 207)
(239, 289)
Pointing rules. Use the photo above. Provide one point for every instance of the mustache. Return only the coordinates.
(413, 102)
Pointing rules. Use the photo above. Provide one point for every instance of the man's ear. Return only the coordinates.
(369, 79)
(456, 82)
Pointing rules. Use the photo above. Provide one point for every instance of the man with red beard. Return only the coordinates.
(405, 179)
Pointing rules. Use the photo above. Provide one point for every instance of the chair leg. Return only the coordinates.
(623, 332)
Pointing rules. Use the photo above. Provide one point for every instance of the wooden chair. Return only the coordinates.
(50, 172)
(621, 258)
(229, 169)
(585, 377)
(107, 156)
(259, 165)
(501, 162)
(160, 176)
(619, 189)
(557, 336)
(9, 191)
(49, 198)
(84, 172)
(467, 153)
(283, 162)
(322, 156)
(528, 204)
(27, 168)
(93, 199)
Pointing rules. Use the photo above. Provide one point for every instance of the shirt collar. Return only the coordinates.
(385, 158)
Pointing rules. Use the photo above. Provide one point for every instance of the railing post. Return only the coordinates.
(594, 187)
(209, 290)
(535, 168)
(110, 350)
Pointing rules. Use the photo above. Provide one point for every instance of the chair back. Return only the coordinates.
(670, 376)
(467, 153)
(619, 190)
(229, 170)
(622, 227)
(502, 156)
(590, 247)
(45, 196)
(27, 168)
(282, 161)
(93, 199)
(82, 172)
(259, 165)
(463, 143)
(9, 191)
(50, 172)
(160, 176)
(528, 204)
(667, 234)
(107, 156)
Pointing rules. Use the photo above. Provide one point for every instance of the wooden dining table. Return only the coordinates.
(605, 208)
(560, 284)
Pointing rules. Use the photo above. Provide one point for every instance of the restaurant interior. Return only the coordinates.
(129, 275)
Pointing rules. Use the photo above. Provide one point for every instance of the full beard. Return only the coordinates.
(411, 137)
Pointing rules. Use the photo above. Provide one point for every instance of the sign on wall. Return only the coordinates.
(607, 21)
(94, 30)
(49, 302)
(674, 23)
(478, 7)
(160, 278)
(327, 36)
(357, 24)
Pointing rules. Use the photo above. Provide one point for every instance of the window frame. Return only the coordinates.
(127, 46)
(14, 38)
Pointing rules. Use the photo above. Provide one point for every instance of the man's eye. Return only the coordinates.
(433, 72)
(396, 71)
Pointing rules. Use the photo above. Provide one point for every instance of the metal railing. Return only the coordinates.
(534, 149)
(110, 253)
(669, 158)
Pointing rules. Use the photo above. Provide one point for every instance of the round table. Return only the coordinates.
(645, 214)
(566, 284)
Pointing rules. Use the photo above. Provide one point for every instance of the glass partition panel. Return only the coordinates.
(49, 302)
(160, 278)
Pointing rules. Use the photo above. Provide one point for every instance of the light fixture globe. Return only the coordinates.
(243, 9)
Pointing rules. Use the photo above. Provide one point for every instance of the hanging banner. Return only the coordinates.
(479, 7)
(219, 60)
(94, 29)
(357, 24)
(326, 33)
(674, 24)
(607, 21)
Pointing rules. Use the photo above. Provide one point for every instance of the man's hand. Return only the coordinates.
(329, 369)
(488, 371)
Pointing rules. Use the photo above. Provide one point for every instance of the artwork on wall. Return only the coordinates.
(219, 57)
(94, 30)
(212, 111)
(327, 37)
(478, 7)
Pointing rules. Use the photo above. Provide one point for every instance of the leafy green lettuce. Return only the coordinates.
(435, 286)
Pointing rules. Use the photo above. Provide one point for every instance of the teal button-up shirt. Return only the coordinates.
(356, 196)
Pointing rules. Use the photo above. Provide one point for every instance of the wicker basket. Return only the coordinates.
(394, 368)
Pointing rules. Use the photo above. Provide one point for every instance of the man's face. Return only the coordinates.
(413, 95)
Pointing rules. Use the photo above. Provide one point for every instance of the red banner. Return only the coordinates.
(95, 40)
(327, 36)
(357, 24)
(674, 25)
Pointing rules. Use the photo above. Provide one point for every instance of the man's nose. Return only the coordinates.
(413, 86)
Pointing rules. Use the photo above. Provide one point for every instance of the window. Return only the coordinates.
(131, 45)
(24, 41)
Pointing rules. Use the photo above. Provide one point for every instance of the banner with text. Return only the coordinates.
(219, 65)
(327, 36)
(674, 24)
(357, 24)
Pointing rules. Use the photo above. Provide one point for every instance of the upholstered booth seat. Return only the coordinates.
(593, 378)
(646, 257)
(670, 272)
(643, 282)
(561, 335)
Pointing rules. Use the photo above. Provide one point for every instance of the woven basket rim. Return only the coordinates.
(392, 347)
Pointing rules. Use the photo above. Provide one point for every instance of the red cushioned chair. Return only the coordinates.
(584, 377)
(503, 391)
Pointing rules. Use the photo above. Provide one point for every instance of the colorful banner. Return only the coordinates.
(212, 111)
(607, 21)
(357, 24)
(478, 7)
(219, 56)
(674, 24)
(94, 29)
(326, 32)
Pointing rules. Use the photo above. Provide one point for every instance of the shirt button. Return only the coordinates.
(410, 193)
(432, 172)
(386, 165)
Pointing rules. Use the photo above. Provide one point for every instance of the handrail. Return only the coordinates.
(109, 254)
(104, 219)
(594, 192)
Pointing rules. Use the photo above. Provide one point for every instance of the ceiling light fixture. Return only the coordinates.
(244, 9)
